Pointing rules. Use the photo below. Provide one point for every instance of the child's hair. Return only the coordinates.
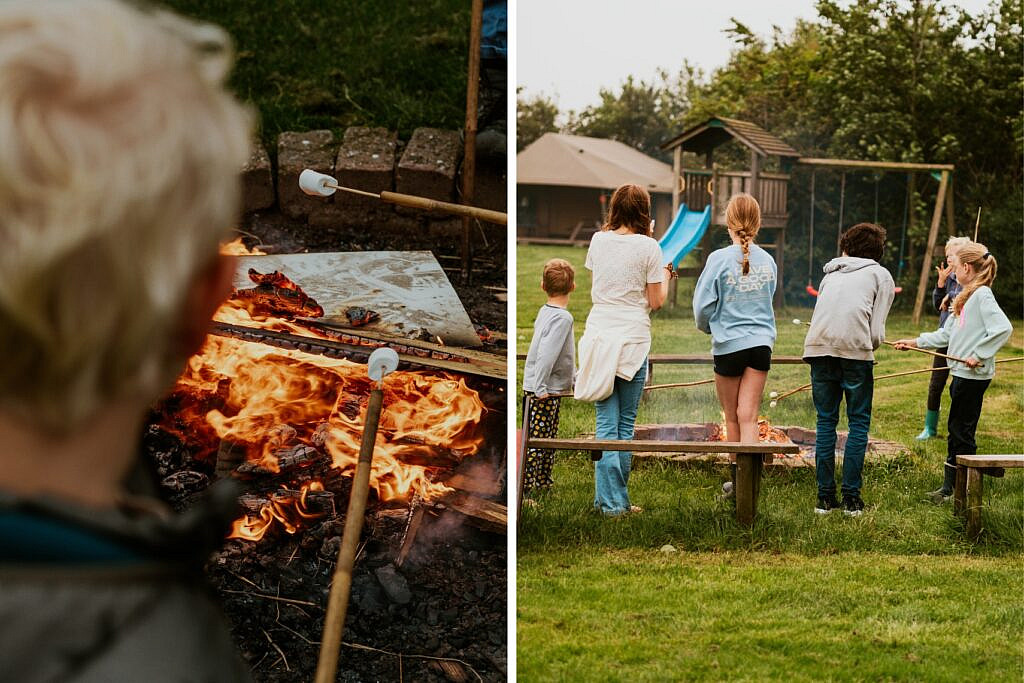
(120, 163)
(984, 264)
(953, 245)
(630, 207)
(743, 216)
(864, 240)
(558, 277)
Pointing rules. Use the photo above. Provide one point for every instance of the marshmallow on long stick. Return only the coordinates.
(317, 184)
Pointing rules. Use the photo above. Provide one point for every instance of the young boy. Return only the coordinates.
(550, 368)
(848, 324)
(120, 165)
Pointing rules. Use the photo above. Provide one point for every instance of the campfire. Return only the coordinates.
(767, 433)
(289, 422)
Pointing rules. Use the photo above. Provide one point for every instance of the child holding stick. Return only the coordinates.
(550, 369)
(945, 291)
(975, 330)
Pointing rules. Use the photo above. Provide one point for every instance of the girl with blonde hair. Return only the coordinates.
(975, 330)
(733, 303)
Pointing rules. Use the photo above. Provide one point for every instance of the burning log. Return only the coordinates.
(275, 294)
(287, 459)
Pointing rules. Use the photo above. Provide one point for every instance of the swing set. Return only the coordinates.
(944, 197)
(771, 189)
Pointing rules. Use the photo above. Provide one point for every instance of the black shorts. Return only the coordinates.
(733, 364)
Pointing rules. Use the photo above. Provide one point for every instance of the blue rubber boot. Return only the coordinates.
(931, 425)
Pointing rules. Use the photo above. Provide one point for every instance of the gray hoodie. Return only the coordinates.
(849, 317)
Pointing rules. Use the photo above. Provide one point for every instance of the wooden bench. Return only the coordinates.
(749, 460)
(967, 494)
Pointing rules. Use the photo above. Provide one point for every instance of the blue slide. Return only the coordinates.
(684, 234)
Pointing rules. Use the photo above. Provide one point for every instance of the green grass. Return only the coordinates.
(596, 615)
(309, 65)
(896, 594)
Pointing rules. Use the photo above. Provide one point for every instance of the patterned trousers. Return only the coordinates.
(542, 424)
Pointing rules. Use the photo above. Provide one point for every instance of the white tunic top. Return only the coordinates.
(617, 337)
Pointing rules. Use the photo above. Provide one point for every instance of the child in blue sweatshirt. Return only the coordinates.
(733, 303)
(975, 329)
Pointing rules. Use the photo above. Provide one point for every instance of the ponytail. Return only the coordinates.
(984, 264)
(743, 216)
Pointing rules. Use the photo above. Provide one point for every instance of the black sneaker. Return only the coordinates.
(826, 504)
(853, 506)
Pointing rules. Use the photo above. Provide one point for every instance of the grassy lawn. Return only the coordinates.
(309, 65)
(896, 594)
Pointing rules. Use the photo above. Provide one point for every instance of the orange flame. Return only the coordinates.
(284, 508)
(243, 392)
(237, 248)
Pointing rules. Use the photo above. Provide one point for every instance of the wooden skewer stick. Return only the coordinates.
(341, 582)
(977, 222)
(679, 384)
(415, 202)
(779, 397)
(928, 351)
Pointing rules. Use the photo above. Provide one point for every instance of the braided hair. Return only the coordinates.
(743, 216)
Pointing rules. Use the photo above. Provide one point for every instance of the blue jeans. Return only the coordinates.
(616, 416)
(831, 379)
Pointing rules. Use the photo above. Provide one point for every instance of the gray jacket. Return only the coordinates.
(849, 317)
(551, 361)
(143, 615)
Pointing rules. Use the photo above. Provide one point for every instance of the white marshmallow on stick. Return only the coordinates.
(316, 184)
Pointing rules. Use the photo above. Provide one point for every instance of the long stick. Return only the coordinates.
(341, 582)
(679, 384)
(779, 397)
(469, 134)
(928, 351)
(977, 222)
(415, 202)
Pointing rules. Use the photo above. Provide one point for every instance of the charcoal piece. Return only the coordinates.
(185, 482)
(321, 434)
(394, 584)
(359, 316)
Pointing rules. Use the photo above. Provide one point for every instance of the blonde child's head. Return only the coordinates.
(953, 245)
(743, 218)
(119, 165)
(558, 278)
(973, 259)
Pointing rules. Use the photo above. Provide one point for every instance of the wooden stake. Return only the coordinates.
(341, 582)
(469, 150)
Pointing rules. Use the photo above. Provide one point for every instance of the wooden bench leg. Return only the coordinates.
(960, 490)
(974, 491)
(748, 476)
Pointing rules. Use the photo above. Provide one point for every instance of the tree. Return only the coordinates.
(534, 117)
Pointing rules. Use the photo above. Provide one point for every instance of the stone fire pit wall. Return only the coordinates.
(373, 160)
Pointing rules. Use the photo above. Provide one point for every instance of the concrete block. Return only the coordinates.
(314, 149)
(257, 182)
(429, 164)
(365, 161)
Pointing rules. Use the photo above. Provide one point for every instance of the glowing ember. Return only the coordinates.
(287, 510)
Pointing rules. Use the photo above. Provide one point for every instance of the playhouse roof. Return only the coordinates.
(577, 161)
(710, 134)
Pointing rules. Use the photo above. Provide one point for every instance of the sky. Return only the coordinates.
(568, 49)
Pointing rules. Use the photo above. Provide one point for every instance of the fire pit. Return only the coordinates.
(878, 449)
(278, 404)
